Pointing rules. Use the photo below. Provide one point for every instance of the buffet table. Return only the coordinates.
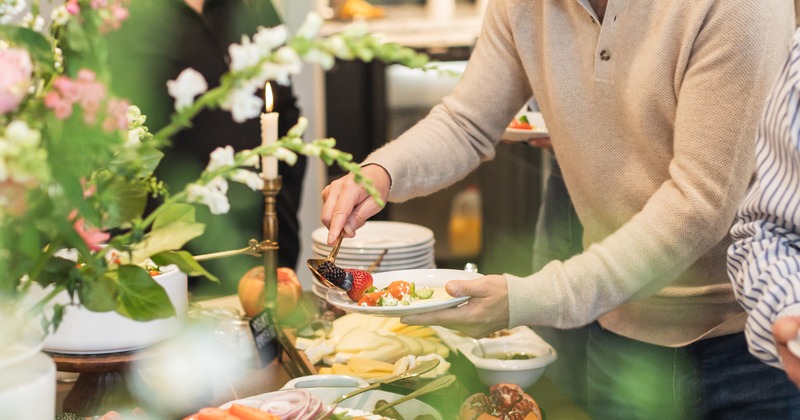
(259, 379)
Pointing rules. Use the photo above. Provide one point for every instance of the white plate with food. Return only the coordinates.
(431, 278)
(518, 131)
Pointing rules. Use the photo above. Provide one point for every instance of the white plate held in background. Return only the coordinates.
(539, 129)
(433, 278)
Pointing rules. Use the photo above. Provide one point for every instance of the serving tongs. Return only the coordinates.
(415, 371)
(434, 385)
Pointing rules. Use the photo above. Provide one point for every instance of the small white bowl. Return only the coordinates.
(326, 381)
(523, 372)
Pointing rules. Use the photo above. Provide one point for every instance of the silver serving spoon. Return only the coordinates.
(416, 371)
(315, 263)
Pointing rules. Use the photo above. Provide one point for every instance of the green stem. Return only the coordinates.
(184, 117)
(33, 274)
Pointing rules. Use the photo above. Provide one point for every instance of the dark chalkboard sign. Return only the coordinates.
(265, 335)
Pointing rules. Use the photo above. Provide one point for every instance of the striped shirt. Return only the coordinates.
(764, 260)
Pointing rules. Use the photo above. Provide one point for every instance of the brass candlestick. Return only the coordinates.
(270, 231)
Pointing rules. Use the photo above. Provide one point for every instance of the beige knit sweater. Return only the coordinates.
(653, 118)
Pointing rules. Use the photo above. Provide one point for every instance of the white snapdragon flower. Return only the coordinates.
(135, 117)
(286, 63)
(267, 39)
(221, 157)
(33, 22)
(320, 57)
(310, 26)
(135, 136)
(252, 161)
(213, 195)
(249, 178)
(244, 55)
(242, 104)
(286, 155)
(60, 15)
(9, 9)
(338, 47)
(189, 84)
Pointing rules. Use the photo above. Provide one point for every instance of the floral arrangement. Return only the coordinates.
(76, 164)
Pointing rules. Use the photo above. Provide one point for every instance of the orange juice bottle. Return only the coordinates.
(466, 223)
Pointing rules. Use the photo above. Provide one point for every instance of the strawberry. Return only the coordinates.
(361, 282)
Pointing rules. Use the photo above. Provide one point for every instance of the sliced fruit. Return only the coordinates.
(361, 282)
(358, 364)
(424, 292)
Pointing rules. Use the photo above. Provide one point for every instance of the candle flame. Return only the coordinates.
(268, 100)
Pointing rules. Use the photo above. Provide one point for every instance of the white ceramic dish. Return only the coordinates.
(524, 372)
(435, 278)
(539, 129)
(85, 332)
(371, 254)
(365, 401)
(380, 235)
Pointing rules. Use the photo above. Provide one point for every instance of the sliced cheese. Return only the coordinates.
(340, 369)
(358, 364)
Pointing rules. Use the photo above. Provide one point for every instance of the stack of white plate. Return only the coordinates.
(407, 246)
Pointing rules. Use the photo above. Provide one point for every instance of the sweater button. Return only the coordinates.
(605, 55)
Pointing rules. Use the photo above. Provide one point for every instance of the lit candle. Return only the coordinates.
(269, 135)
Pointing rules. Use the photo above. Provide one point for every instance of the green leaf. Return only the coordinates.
(138, 162)
(140, 297)
(124, 200)
(56, 270)
(172, 213)
(185, 262)
(149, 158)
(58, 316)
(37, 45)
(167, 238)
(99, 294)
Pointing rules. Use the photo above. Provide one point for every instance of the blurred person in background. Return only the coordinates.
(652, 108)
(764, 260)
(158, 41)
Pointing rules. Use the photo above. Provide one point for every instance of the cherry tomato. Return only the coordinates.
(371, 299)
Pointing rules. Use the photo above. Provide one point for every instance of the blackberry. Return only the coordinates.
(336, 275)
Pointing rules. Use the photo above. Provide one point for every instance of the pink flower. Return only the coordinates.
(94, 238)
(61, 106)
(116, 115)
(72, 7)
(15, 78)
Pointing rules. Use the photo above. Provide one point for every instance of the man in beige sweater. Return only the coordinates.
(652, 107)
